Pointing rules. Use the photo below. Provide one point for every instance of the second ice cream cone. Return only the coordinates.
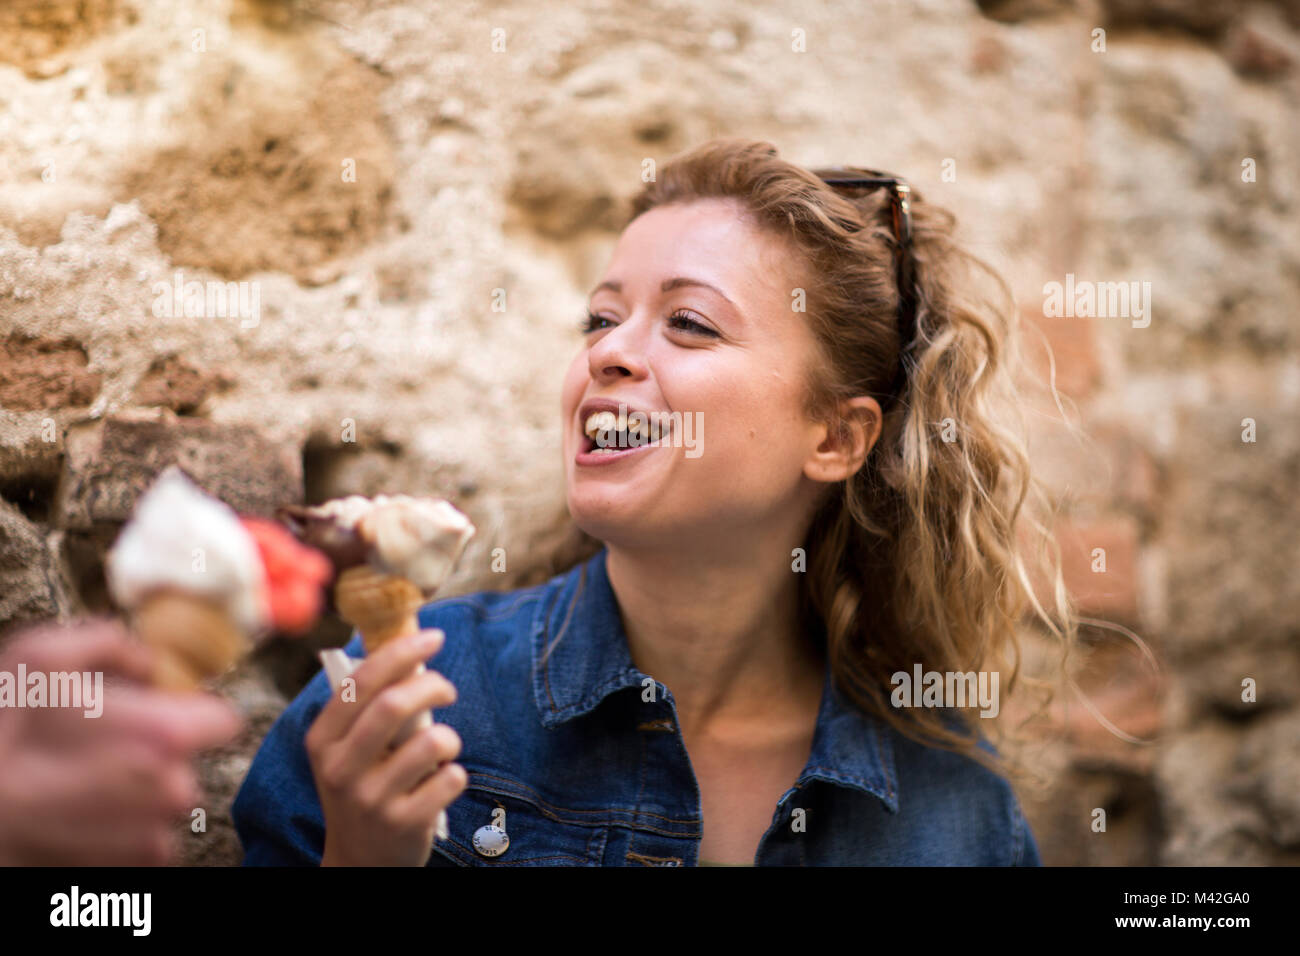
(192, 639)
(380, 606)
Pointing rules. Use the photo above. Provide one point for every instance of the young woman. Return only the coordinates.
(834, 499)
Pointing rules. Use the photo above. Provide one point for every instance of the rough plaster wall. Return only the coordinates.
(129, 154)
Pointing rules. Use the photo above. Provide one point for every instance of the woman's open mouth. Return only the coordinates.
(607, 437)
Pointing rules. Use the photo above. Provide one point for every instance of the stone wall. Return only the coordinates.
(417, 216)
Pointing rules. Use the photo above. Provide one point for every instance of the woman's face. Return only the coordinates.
(694, 318)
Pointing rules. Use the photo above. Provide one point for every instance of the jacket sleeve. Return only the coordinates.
(277, 813)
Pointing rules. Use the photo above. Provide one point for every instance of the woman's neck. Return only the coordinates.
(721, 632)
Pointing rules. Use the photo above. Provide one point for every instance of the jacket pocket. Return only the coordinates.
(539, 833)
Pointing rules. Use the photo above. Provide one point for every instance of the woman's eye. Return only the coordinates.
(683, 321)
(592, 323)
(678, 320)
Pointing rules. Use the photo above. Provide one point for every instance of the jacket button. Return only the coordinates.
(491, 840)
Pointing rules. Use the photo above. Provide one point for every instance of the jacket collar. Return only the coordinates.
(591, 660)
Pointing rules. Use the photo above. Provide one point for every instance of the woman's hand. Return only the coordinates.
(381, 805)
(112, 789)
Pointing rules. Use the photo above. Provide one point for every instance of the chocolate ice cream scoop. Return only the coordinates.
(330, 529)
(418, 539)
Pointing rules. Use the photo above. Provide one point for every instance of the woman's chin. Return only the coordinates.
(598, 519)
(615, 522)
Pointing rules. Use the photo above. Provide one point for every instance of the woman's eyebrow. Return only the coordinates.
(668, 285)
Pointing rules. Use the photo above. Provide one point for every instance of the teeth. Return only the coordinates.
(605, 426)
(598, 422)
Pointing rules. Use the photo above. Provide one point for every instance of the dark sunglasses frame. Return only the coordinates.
(900, 194)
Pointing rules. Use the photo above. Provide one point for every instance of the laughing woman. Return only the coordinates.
(837, 498)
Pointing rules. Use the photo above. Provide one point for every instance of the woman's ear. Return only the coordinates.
(845, 445)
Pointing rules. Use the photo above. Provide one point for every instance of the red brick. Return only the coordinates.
(110, 463)
(1123, 687)
(174, 383)
(37, 374)
(1111, 594)
(1126, 691)
(1073, 344)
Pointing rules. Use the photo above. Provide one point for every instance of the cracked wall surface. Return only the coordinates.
(382, 177)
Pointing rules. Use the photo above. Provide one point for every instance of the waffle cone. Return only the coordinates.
(192, 639)
(380, 606)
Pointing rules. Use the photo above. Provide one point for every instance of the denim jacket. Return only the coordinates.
(583, 755)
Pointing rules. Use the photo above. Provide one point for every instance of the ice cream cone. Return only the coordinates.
(391, 554)
(380, 606)
(193, 639)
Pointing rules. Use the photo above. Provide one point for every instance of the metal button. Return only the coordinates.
(491, 840)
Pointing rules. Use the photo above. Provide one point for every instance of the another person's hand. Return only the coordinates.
(381, 805)
(108, 790)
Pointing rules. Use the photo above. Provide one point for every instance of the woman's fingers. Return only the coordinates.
(419, 757)
(382, 806)
(373, 731)
(393, 662)
(436, 793)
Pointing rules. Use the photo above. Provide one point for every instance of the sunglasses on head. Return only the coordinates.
(900, 194)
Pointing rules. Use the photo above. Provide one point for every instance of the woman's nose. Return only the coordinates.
(618, 354)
